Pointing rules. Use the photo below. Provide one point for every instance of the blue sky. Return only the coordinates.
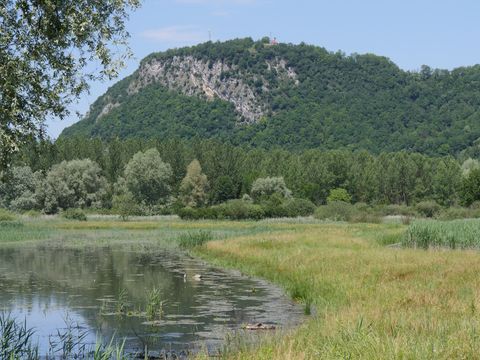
(442, 34)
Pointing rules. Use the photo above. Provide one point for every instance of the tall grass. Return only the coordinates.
(193, 239)
(6, 215)
(16, 340)
(16, 344)
(457, 234)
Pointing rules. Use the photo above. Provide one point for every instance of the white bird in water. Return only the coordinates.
(197, 277)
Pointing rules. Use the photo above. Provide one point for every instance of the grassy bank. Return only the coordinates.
(373, 302)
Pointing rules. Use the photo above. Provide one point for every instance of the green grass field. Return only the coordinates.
(368, 300)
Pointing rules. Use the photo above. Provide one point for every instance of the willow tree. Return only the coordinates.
(193, 189)
(48, 49)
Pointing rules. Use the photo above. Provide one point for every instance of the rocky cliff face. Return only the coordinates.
(194, 77)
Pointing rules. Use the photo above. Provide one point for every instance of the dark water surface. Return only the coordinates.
(54, 289)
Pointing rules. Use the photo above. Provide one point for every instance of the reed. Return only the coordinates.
(456, 234)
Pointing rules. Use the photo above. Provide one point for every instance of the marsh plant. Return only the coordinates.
(154, 309)
(193, 239)
(16, 339)
(462, 234)
(122, 299)
(16, 343)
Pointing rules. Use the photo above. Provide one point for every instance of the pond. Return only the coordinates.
(153, 300)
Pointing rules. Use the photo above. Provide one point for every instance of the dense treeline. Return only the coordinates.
(355, 102)
(230, 172)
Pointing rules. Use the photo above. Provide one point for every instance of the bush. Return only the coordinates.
(297, 207)
(125, 206)
(272, 206)
(188, 213)
(339, 194)
(394, 209)
(268, 186)
(428, 208)
(368, 216)
(454, 213)
(192, 239)
(32, 213)
(6, 215)
(335, 211)
(74, 214)
(241, 210)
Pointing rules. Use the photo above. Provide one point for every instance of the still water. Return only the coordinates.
(81, 290)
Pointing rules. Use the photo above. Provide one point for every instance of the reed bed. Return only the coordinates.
(456, 234)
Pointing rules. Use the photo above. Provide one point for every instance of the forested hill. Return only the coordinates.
(292, 96)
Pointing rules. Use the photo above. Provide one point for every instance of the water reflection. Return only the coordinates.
(55, 287)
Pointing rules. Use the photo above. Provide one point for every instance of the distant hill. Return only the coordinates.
(291, 96)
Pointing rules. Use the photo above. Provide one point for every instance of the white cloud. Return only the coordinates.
(176, 34)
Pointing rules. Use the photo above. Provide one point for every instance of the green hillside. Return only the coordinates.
(292, 96)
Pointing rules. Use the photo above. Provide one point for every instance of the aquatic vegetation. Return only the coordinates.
(121, 305)
(16, 343)
(109, 351)
(16, 340)
(192, 239)
(462, 234)
(154, 309)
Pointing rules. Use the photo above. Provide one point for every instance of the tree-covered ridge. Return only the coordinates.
(336, 101)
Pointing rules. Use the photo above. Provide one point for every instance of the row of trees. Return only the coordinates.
(226, 172)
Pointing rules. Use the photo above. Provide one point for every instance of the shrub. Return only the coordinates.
(188, 213)
(125, 206)
(363, 213)
(369, 216)
(394, 209)
(454, 213)
(240, 210)
(428, 208)
(192, 239)
(74, 214)
(272, 206)
(32, 213)
(297, 207)
(6, 215)
(475, 205)
(335, 211)
(264, 187)
(339, 194)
